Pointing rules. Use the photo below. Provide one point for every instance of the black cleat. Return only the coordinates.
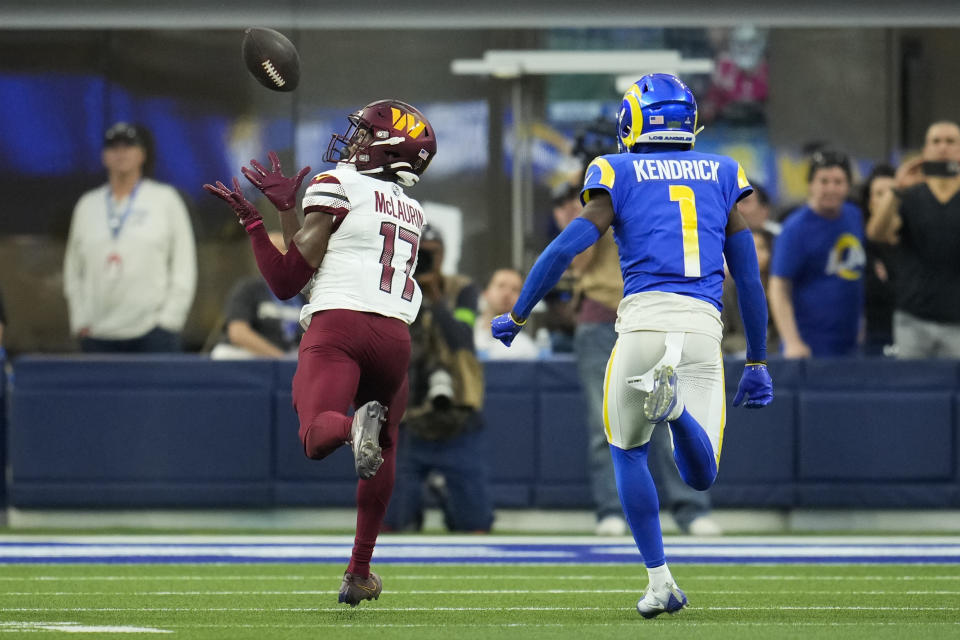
(353, 589)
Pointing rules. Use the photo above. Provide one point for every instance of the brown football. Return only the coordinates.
(271, 58)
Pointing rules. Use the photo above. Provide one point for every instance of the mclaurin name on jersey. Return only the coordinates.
(398, 209)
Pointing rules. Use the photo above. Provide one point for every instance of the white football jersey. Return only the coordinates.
(372, 252)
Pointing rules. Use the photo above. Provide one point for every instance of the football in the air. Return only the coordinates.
(271, 58)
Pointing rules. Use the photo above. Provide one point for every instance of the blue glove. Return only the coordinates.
(505, 328)
(756, 387)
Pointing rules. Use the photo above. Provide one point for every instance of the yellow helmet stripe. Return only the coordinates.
(636, 117)
(742, 181)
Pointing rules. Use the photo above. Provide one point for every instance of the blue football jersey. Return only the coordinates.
(670, 217)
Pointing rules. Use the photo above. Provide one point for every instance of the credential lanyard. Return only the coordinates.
(115, 219)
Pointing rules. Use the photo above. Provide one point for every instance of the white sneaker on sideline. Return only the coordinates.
(612, 526)
(704, 526)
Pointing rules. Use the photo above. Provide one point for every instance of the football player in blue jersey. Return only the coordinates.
(674, 217)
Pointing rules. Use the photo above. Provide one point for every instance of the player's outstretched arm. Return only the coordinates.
(586, 229)
(756, 387)
(279, 190)
(286, 273)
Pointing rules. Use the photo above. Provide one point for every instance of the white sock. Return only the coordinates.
(659, 576)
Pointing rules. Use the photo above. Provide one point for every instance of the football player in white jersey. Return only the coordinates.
(357, 250)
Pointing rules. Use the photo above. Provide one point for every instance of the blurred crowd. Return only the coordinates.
(864, 266)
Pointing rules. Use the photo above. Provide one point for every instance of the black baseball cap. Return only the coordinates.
(124, 133)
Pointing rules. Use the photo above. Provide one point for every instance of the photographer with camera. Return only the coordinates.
(442, 430)
(921, 215)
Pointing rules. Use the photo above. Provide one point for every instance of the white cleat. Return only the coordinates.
(663, 403)
(668, 599)
(365, 438)
(612, 525)
(704, 526)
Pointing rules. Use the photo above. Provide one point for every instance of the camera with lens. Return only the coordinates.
(440, 389)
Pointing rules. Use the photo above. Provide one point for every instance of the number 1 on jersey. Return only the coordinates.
(390, 234)
(683, 195)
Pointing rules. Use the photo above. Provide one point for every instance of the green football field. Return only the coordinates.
(232, 601)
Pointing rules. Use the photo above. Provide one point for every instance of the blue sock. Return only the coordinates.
(638, 495)
(693, 452)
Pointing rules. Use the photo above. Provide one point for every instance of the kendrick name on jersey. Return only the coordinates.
(652, 169)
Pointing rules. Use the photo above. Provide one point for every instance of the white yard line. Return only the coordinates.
(637, 575)
(397, 592)
(365, 610)
(53, 626)
(470, 540)
(374, 609)
(626, 623)
(74, 627)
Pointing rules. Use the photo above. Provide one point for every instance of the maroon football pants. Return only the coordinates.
(350, 358)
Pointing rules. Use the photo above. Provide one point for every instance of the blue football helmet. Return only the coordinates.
(658, 108)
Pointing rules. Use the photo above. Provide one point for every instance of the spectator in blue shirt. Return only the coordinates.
(817, 276)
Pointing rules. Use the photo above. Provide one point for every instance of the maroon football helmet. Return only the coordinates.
(389, 139)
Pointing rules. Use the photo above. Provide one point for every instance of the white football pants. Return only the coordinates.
(698, 362)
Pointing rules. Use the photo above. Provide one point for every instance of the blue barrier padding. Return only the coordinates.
(562, 496)
(769, 495)
(142, 371)
(290, 462)
(759, 445)
(875, 375)
(116, 495)
(512, 424)
(562, 441)
(877, 495)
(510, 376)
(876, 436)
(141, 435)
(311, 493)
(511, 495)
(560, 372)
(184, 431)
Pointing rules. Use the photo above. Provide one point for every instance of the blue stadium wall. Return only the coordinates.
(189, 432)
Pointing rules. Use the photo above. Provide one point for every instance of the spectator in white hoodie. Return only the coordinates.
(130, 269)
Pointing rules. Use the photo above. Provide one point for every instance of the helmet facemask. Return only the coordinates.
(379, 144)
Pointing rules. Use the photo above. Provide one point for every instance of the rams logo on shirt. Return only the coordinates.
(847, 258)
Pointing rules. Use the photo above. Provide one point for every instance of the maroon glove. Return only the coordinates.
(279, 189)
(248, 215)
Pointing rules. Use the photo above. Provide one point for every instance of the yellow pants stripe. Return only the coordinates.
(606, 389)
(723, 410)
